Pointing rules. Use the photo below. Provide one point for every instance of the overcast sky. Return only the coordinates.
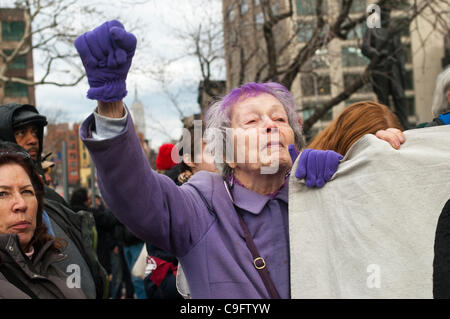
(156, 41)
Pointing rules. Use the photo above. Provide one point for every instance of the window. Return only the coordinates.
(230, 13)
(349, 78)
(13, 89)
(305, 31)
(255, 3)
(73, 164)
(409, 80)
(275, 9)
(19, 63)
(320, 59)
(310, 107)
(352, 56)
(259, 20)
(244, 6)
(351, 101)
(401, 24)
(314, 85)
(308, 7)
(410, 105)
(357, 32)
(12, 31)
(408, 53)
(356, 7)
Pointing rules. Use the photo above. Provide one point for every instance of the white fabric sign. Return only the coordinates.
(369, 232)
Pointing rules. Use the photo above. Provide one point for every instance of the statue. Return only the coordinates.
(388, 75)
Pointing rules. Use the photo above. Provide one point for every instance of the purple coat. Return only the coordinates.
(208, 243)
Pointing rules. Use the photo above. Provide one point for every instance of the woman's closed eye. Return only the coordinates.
(28, 192)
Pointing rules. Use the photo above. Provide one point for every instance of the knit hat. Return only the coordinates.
(164, 159)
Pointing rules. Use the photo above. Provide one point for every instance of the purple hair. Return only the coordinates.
(252, 89)
(218, 116)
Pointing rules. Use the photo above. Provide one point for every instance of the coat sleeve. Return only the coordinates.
(151, 205)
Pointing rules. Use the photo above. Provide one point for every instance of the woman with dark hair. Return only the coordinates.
(27, 252)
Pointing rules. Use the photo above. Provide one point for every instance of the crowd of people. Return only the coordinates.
(210, 226)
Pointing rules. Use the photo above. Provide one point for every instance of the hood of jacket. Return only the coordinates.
(7, 113)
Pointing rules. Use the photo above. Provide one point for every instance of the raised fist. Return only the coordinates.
(106, 53)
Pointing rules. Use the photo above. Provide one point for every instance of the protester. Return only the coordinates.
(22, 124)
(105, 223)
(165, 164)
(79, 200)
(27, 251)
(202, 221)
(441, 100)
(357, 120)
(196, 160)
(131, 248)
(47, 166)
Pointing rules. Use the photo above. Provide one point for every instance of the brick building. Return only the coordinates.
(12, 29)
(55, 135)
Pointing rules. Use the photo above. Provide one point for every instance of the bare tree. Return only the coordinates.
(50, 27)
(257, 52)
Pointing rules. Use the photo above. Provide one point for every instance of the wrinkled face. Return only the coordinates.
(18, 203)
(262, 134)
(27, 137)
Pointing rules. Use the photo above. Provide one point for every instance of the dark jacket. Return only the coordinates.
(441, 262)
(442, 119)
(106, 224)
(38, 278)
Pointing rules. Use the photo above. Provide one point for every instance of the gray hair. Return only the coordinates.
(440, 102)
(218, 119)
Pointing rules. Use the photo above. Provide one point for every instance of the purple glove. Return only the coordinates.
(106, 53)
(316, 166)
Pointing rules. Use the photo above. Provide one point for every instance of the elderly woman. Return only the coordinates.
(441, 100)
(28, 254)
(229, 231)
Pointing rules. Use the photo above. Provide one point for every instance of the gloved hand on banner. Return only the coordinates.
(315, 166)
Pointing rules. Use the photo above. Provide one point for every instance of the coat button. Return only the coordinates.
(11, 248)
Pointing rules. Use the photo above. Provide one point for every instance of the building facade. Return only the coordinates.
(53, 140)
(336, 65)
(12, 29)
(138, 114)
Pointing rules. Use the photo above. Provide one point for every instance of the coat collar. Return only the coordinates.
(254, 202)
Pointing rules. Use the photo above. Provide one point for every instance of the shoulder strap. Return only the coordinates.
(258, 261)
